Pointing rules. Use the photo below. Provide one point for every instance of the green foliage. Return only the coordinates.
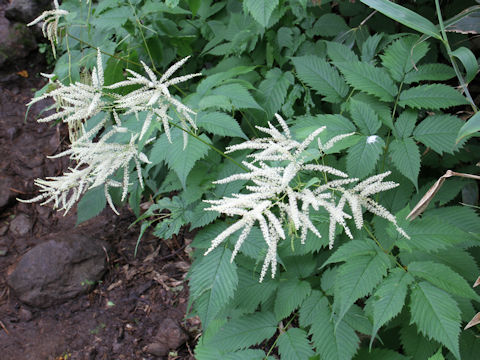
(377, 296)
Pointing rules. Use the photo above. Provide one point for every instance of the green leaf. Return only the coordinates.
(389, 298)
(112, 18)
(309, 308)
(405, 124)
(430, 72)
(251, 293)
(246, 331)
(402, 55)
(261, 10)
(434, 96)
(439, 132)
(364, 117)
(329, 25)
(321, 77)
(443, 277)
(339, 52)
(294, 345)
(238, 96)
(332, 342)
(381, 108)
(404, 16)
(436, 314)
(357, 278)
(200, 217)
(472, 126)
(290, 295)
(414, 344)
(469, 62)
(91, 204)
(438, 355)
(406, 158)
(352, 248)
(178, 159)
(273, 90)
(370, 79)
(247, 354)
(219, 123)
(214, 277)
(363, 156)
(462, 217)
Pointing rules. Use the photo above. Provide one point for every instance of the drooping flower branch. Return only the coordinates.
(274, 198)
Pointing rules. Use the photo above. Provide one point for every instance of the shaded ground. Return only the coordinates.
(139, 301)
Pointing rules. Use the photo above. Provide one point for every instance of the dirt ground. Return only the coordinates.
(138, 300)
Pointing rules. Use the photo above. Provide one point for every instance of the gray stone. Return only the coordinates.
(21, 225)
(26, 10)
(58, 270)
(6, 195)
(170, 336)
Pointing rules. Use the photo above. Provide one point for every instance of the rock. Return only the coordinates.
(21, 225)
(16, 42)
(6, 195)
(26, 10)
(170, 336)
(58, 270)
(25, 314)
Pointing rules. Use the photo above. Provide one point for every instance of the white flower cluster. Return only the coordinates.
(275, 198)
(50, 25)
(97, 161)
(154, 98)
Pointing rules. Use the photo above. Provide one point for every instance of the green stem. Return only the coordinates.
(276, 340)
(139, 24)
(382, 248)
(463, 84)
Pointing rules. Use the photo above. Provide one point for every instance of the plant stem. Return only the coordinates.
(452, 59)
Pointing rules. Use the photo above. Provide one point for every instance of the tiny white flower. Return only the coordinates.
(372, 139)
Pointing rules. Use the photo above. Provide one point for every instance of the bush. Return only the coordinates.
(275, 116)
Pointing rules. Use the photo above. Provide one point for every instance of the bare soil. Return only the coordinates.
(121, 316)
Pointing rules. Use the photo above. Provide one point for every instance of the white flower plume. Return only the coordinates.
(274, 196)
(76, 102)
(50, 25)
(155, 98)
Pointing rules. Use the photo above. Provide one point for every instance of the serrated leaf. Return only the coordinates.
(330, 24)
(414, 344)
(273, 90)
(439, 132)
(389, 298)
(338, 52)
(436, 314)
(406, 158)
(261, 10)
(309, 308)
(462, 217)
(321, 77)
(357, 278)
(251, 293)
(363, 156)
(364, 117)
(370, 79)
(215, 278)
(179, 160)
(405, 124)
(352, 248)
(247, 354)
(238, 96)
(200, 217)
(290, 295)
(332, 342)
(246, 331)
(443, 277)
(434, 97)
(403, 55)
(429, 72)
(294, 345)
(91, 204)
(219, 123)
(370, 46)
(381, 108)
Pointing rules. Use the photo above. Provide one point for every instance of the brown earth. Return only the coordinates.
(136, 310)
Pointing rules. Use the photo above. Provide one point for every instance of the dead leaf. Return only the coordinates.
(477, 282)
(473, 322)
(425, 200)
(23, 73)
